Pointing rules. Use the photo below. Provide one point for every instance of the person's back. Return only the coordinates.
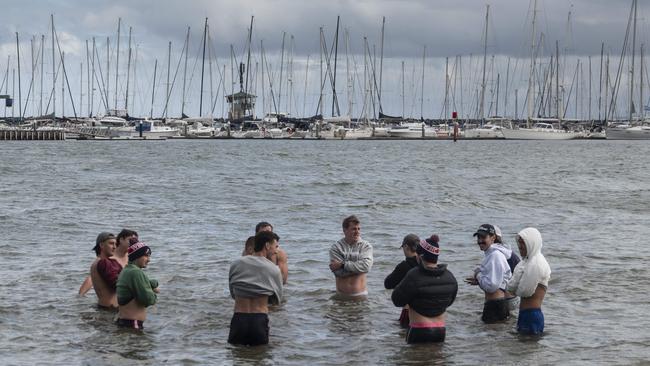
(254, 281)
(428, 290)
(104, 271)
(409, 245)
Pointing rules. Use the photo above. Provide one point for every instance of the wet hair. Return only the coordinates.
(261, 225)
(264, 237)
(249, 247)
(125, 233)
(350, 220)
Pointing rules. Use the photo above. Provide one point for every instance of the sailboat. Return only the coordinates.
(632, 130)
(543, 128)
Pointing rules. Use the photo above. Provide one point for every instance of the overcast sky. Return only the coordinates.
(446, 27)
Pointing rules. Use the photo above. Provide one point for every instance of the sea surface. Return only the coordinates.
(196, 202)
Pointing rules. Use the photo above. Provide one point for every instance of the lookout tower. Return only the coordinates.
(242, 104)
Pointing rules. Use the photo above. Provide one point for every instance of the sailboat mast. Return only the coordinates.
(53, 71)
(557, 79)
(205, 31)
(335, 101)
(128, 74)
(153, 89)
(40, 107)
(248, 57)
(424, 55)
(634, 4)
(187, 50)
(381, 62)
(117, 61)
(284, 34)
(92, 81)
(20, 96)
(87, 77)
(482, 106)
(403, 97)
(169, 60)
(531, 78)
(600, 82)
(446, 104)
(641, 103)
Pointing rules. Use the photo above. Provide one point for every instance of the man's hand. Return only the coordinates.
(334, 265)
(471, 280)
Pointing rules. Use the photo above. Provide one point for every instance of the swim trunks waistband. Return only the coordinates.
(427, 325)
(362, 293)
(104, 307)
(130, 323)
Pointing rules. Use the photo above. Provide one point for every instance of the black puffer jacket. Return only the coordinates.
(427, 291)
(398, 274)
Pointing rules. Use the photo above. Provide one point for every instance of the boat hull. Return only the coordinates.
(534, 134)
(632, 133)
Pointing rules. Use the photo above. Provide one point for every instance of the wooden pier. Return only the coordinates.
(30, 135)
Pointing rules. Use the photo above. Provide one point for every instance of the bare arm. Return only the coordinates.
(85, 286)
(282, 261)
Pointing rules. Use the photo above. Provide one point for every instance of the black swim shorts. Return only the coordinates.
(250, 329)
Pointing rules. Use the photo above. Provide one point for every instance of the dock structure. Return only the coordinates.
(23, 135)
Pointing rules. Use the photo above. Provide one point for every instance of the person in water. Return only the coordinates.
(120, 255)
(492, 275)
(254, 281)
(513, 258)
(104, 271)
(350, 260)
(135, 291)
(409, 247)
(428, 290)
(280, 258)
(530, 281)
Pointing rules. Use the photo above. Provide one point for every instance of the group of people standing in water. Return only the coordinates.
(118, 278)
(422, 287)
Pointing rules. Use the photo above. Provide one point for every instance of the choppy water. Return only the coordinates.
(195, 202)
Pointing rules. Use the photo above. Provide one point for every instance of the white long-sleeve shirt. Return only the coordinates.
(494, 271)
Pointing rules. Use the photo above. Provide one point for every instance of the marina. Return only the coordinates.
(263, 161)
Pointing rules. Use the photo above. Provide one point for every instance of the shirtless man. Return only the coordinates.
(492, 275)
(280, 258)
(104, 271)
(135, 291)
(254, 281)
(428, 290)
(350, 260)
(122, 248)
(121, 255)
(530, 281)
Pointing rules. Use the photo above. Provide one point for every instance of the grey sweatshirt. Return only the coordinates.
(254, 276)
(356, 258)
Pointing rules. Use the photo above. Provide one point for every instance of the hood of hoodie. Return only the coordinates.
(533, 240)
(498, 247)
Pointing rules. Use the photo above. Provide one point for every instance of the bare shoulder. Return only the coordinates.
(94, 264)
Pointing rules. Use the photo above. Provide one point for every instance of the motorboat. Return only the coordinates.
(627, 132)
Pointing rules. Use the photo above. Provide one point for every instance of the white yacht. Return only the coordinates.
(412, 130)
(539, 131)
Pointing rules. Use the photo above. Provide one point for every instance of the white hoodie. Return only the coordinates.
(494, 272)
(533, 268)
